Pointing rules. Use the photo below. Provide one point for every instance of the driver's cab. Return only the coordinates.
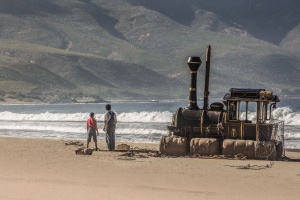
(249, 111)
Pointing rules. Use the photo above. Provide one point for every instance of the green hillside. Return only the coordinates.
(95, 50)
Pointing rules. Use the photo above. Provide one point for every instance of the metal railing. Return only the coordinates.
(270, 139)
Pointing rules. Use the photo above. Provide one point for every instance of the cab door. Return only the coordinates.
(249, 131)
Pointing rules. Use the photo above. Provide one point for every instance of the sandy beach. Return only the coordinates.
(49, 169)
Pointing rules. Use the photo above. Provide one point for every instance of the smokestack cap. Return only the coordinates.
(194, 63)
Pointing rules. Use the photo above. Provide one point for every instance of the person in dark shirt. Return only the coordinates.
(110, 121)
(92, 130)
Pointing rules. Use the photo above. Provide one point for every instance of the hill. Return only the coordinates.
(96, 50)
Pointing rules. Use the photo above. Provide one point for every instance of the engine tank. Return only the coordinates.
(197, 123)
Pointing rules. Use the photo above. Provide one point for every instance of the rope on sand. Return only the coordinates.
(74, 143)
(252, 167)
(130, 156)
(126, 158)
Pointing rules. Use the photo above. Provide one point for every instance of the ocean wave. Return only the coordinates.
(285, 114)
(11, 116)
(44, 127)
(155, 116)
(289, 135)
(80, 129)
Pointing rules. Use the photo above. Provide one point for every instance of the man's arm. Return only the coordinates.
(87, 126)
(105, 124)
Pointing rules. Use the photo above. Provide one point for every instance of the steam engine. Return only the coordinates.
(213, 130)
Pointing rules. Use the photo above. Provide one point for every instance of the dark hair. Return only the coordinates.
(107, 106)
(92, 114)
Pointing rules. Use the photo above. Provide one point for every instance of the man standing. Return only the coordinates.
(110, 121)
(92, 129)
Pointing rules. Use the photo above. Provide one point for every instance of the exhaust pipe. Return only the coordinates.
(194, 64)
(207, 72)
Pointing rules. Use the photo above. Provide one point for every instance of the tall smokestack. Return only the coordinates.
(194, 64)
(207, 71)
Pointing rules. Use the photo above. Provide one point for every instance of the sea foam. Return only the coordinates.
(155, 116)
(285, 114)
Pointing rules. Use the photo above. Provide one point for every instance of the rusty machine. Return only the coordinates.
(225, 128)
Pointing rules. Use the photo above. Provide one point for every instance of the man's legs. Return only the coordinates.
(112, 129)
(91, 134)
(89, 138)
(112, 141)
(107, 138)
(95, 140)
(110, 137)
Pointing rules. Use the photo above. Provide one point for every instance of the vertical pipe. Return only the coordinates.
(265, 111)
(246, 110)
(194, 64)
(207, 72)
(239, 110)
(258, 112)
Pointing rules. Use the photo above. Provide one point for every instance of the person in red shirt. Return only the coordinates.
(92, 130)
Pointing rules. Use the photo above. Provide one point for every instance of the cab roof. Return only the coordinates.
(251, 95)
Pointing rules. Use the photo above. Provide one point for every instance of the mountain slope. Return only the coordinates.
(65, 49)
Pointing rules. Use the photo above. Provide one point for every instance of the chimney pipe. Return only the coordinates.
(207, 72)
(194, 64)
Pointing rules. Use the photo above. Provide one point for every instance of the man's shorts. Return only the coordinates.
(91, 133)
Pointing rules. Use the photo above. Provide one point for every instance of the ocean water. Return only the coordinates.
(137, 121)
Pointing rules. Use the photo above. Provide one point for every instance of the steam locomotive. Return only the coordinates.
(224, 128)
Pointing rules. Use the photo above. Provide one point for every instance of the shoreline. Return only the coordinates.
(49, 169)
(137, 144)
(292, 150)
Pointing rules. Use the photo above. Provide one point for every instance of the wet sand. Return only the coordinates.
(49, 169)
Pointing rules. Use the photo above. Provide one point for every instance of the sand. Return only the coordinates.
(49, 169)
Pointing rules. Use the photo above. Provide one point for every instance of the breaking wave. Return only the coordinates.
(285, 114)
(155, 116)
